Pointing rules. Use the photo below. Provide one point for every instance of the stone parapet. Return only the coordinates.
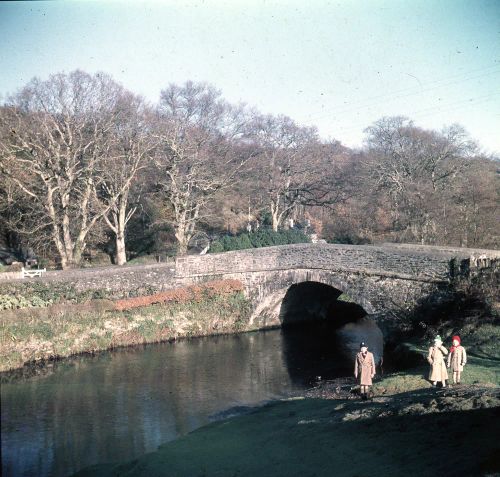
(399, 262)
(115, 282)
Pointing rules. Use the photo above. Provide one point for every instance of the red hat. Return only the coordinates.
(453, 347)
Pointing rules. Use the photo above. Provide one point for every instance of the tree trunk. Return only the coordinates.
(70, 261)
(121, 223)
(182, 237)
(275, 217)
(182, 247)
(64, 262)
(275, 223)
(121, 256)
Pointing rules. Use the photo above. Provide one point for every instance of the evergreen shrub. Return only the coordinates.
(260, 238)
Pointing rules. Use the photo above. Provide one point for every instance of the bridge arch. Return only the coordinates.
(315, 301)
(269, 292)
(333, 328)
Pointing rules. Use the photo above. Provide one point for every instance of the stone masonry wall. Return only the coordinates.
(118, 282)
(254, 267)
(426, 264)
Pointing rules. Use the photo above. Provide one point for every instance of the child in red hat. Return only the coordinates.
(457, 359)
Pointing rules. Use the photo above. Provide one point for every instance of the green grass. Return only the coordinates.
(44, 330)
(481, 370)
(42, 294)
(483, 339)
(483, 361)
(409, 380)
(477, 371)
(148, 328)
(308, 438)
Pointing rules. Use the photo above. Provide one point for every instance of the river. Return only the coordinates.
(121, 404)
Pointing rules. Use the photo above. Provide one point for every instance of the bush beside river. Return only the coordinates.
(37, 334)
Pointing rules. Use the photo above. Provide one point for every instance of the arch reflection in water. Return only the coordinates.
(321, 334)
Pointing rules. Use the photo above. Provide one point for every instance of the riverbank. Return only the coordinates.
(407, 428)
(425, 432)
(31, 336)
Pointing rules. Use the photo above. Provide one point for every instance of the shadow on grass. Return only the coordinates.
(300, 438)
(485, 361)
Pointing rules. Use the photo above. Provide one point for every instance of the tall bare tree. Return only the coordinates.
(471, 210)
(131, 148)
(58, 132)
(414, 166)
(197, 158)
(294, 167)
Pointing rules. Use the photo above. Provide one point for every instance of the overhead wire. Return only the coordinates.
(394, 95)
(417, 89)
(444, 108)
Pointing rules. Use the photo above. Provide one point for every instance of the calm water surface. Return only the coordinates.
(119, 405)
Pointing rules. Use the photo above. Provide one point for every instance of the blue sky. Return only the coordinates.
(338, 65)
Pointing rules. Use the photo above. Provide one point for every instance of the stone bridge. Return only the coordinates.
(300, 281)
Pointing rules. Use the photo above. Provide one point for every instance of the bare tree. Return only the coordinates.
(414, 167)
(78, 154)
(197, 157)
(57, 136)
(11, 208)
(469, 214)
(131, 145)
(294, 167)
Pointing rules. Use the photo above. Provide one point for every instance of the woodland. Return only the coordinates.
(90, 171)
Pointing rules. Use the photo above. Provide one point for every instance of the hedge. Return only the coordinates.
(260, 238)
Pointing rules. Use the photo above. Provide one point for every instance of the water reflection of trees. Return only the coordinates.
(122, 404)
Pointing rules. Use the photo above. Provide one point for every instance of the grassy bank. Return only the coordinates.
(408, 428)
(482, 369)
(36, 334)
(483, 361)
(312, 437)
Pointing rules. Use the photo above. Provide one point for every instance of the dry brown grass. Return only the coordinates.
(182, 295)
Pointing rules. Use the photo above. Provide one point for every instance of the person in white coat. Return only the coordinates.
(437, 361)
